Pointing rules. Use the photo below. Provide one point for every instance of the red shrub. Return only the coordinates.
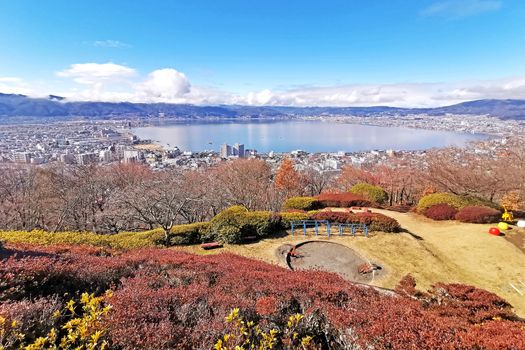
(342, 200)
(478, 215)
(266, 305)
(374, 221)
(441, 212)
(170, 299)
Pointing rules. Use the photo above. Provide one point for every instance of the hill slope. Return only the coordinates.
(164, 299)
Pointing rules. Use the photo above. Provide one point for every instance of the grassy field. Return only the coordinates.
(432, 251)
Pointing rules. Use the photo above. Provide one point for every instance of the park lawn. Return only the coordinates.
(445, 251)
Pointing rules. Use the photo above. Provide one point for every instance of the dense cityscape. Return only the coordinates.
(106, 142)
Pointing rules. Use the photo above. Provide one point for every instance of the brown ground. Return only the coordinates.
(516, 237)
(332, 257)
(432, 251)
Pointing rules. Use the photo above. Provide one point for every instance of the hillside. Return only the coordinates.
(55, 106)
(164, 299)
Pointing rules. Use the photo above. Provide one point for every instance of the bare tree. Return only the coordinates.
(158, 201)
(316, 181)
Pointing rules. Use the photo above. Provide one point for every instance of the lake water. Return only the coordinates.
(310, 136)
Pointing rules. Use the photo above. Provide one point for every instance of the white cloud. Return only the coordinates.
(455, 9)
(14, 85)
(112, 82)
(164, 85)
(93, 73)
(400, 95)
(116, 44)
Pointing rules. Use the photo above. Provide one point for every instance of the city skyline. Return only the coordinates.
(336, 53)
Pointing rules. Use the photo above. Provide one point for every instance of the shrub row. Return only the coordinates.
(301, 203)
(165, 299)
(441, 211)
(124, 240)
(470, 214)
(373, 193)
(232, 225)
(453, 200)
(374, 221)
(236, 223)
(478, 215)
(187, 234)
(342, 200)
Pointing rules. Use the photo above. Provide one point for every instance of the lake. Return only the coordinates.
(310, 136)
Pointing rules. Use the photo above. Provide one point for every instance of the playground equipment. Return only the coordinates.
(494, 231)
(521, 223)
(316, 223)
(507, 216)
(503, 226)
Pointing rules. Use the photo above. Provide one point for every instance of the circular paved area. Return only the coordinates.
(331, 257)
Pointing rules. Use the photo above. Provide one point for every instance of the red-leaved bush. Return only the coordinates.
(167, 299)
(478, 215)
(342, 200)
(374, 221)
(441, 212)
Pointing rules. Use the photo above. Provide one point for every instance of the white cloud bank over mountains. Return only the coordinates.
(116, 83)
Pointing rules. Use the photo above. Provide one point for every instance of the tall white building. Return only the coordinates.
(226, 151)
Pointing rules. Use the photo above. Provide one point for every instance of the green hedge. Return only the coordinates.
(453, 200)
(232, 225)
(301, 203)
(187, 234)
(371, 192)
(287, 218)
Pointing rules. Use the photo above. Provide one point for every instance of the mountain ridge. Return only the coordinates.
(16, 105)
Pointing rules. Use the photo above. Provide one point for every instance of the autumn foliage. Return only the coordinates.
(165, 299)
(374, 221)
(441, 211)
(478, 215)
(287, 179)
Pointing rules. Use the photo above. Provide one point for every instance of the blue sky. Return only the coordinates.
(303, 52)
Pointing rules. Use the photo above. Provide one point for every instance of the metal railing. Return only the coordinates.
(354, 227)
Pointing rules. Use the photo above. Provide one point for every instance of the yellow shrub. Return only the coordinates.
(242, 334)
(81, 326)
(453, 200)
(125, 240)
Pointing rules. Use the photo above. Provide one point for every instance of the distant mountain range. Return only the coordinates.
(55, 106)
